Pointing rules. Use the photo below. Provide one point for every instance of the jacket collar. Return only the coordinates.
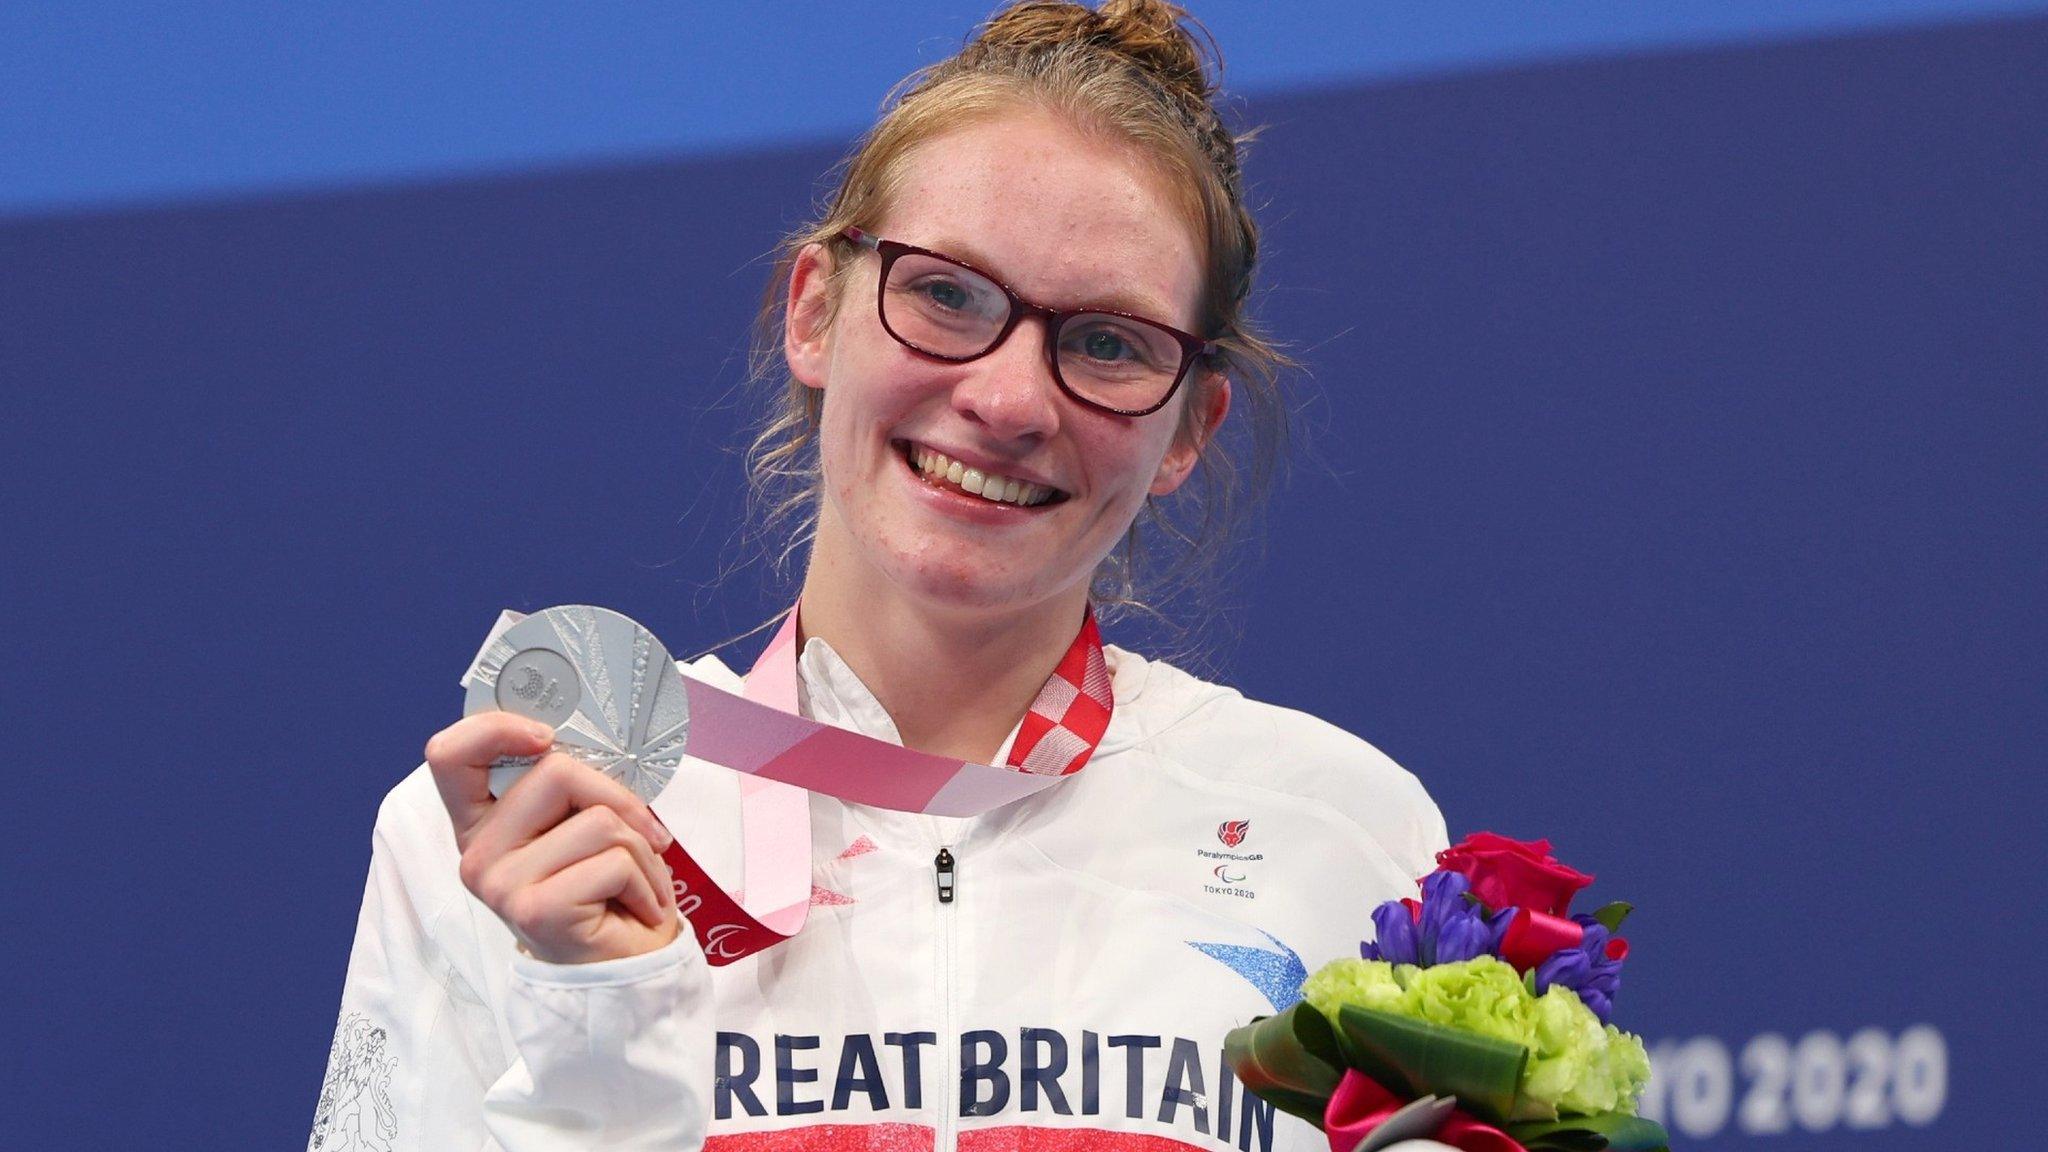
(830, 693)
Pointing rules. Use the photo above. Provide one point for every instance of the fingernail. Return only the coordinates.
(662, 837)
(543, 733)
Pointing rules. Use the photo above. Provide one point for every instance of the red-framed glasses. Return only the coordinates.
(950, 310)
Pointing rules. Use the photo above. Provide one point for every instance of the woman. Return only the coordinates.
(1020, 322)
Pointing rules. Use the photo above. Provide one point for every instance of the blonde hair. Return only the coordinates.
(1141, 71)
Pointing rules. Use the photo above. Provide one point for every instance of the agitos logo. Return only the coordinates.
(1232, 832)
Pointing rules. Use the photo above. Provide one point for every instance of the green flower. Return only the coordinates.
(1565, 1047)
(1576, 1064)
(1481, 995)
(1627, 1066)
(1360, 983)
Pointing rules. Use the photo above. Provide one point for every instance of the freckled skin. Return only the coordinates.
(1067, 220)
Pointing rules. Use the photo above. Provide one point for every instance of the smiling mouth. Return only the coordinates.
(940, 471)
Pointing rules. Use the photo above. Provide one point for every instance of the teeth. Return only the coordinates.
(987, 485)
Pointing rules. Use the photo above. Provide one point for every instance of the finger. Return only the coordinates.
(588, 833)
(571, 895)
(557, 788)
(460, 754)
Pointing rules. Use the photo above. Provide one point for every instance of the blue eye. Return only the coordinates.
(1105, 345)
(945, 293)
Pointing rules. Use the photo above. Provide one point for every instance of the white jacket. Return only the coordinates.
(1104, 936)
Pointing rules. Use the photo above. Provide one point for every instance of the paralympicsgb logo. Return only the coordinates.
(1233, 832)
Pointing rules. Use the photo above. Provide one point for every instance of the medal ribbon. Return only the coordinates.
(783, 757)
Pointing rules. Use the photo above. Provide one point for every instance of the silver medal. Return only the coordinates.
(605, 684)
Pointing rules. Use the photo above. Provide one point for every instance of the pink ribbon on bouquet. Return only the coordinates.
(1362, 1104)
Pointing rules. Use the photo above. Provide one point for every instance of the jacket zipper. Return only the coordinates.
(949, 1044)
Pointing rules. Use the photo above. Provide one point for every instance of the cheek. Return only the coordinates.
(875, 395)
(857, 397)
(877, 377)
(1140, 452)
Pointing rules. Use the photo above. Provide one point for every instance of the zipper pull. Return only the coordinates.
(944, 863)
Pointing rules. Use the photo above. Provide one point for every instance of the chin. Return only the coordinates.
(954, 587)
(956, 582)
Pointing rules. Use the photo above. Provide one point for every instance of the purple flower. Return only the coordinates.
(1460, 938)
(1444, 905)
(1497, 928)
(1585, 969)
(1394, 926)
(1595, 943)
(1567, 966)
(1444, 928)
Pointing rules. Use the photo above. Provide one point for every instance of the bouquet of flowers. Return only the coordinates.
(1478, 1017)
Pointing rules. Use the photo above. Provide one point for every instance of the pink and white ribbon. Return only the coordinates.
(784, 756)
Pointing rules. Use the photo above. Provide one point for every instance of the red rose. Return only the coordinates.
(1514, 873)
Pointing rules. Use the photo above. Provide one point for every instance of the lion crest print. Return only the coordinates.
(355, 1113)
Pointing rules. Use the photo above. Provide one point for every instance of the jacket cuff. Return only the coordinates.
(682, 951)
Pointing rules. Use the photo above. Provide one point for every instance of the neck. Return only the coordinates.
(954, 680)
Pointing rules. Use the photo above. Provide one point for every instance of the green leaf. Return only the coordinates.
(1611, 915)
(1565, 1140)
(1616, 1131)
(1472, 899)
(1415, 1058)
(1291, 1060)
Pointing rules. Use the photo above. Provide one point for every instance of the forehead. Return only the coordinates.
(1066, 217)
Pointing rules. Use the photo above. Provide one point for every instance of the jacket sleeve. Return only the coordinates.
(612, 1055)
(447, 1043)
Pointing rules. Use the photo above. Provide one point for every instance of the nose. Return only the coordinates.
(1010, 391)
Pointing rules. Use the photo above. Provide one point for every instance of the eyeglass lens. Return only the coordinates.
(950, 311)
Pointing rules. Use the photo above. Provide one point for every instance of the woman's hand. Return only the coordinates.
(568, 858)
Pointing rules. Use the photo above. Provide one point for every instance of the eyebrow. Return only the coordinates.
(967, 253)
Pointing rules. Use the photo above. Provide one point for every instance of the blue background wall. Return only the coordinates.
(1678, 456)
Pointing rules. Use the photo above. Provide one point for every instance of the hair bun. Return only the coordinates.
(1159, 38)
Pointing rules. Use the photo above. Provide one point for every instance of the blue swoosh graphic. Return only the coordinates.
(1277, 975)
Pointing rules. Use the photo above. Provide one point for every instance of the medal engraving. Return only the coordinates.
(604, 683)
(540, 684)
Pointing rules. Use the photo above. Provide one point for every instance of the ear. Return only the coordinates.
(807, 330)
(1213, 395)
